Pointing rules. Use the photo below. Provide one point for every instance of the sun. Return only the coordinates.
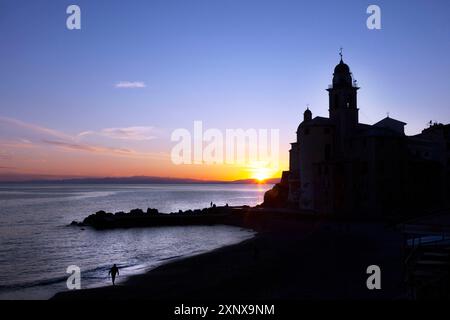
(261, 171)
(260, 176)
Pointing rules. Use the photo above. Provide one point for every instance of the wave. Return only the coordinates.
(36, 283)
(89, 274)
(169, 258)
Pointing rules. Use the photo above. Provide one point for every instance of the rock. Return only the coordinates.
(136, 212)
(77, 224)
(277, 197)
(152, 211)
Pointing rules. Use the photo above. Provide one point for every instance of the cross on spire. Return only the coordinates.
(340, 52)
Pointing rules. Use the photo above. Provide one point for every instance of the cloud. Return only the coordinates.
(16, 134)
(105, 150)
(130, 85)
(15, 143)
(7, 168)
(128, 133)
(33, 128)
(89, 148)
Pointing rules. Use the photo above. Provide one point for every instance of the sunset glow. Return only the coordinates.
(260, 171)
(119, 123)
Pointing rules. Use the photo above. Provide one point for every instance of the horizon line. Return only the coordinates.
(33, 178)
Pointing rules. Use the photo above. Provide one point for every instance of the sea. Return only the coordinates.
(37, 245)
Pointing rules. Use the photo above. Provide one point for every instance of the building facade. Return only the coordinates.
(341, 166)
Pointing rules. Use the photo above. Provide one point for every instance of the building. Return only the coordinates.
(341, 166)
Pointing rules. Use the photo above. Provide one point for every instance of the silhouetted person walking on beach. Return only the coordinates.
(114, 270)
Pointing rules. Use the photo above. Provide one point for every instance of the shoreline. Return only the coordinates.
(129, 278)
(288, 258)
(135, 280)
(44, 290)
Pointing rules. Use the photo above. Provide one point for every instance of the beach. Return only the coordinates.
(38, 245)
(290, 258)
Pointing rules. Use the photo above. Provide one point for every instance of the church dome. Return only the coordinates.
(342, 75)
(342, 68)
(307, 115)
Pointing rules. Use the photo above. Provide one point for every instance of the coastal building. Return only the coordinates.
(338, 165)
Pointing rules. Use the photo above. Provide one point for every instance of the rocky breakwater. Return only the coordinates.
(153, 218)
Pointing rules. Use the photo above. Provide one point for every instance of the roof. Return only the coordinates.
(391, 124)
(378, 131)
(388, 121)
(318, 121)
(342, 67)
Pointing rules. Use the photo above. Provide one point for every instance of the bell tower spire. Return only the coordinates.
(343, 103)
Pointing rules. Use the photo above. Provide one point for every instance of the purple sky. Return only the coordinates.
(115, 90)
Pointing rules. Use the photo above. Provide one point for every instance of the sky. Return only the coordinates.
(105, 100)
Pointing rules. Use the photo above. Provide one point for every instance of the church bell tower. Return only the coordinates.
(343, 104)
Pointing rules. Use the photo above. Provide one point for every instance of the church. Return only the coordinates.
(341, 166)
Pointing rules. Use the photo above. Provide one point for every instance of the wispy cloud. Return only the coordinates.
(7, 168)
(105, 150)
(130, 85)
(34, 128)
(37, 136)
(128, 133)
(89, 148)
(15, 143)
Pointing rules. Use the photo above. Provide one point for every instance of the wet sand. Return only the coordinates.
(289, 258)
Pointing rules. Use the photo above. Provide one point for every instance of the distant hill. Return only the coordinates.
(123, 180)
(254, 181)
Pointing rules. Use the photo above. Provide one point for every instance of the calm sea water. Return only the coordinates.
(37, 245)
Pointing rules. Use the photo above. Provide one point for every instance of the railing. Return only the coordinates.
(354, 85)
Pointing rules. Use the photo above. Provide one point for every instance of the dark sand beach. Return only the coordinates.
(290, 258)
